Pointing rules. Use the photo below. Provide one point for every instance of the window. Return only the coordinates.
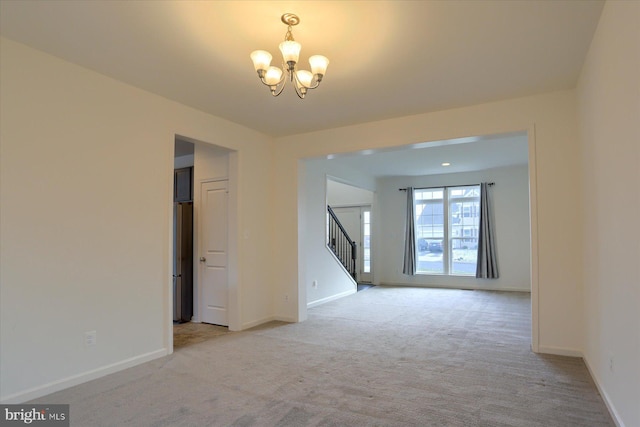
(447, 222)
(366, 241)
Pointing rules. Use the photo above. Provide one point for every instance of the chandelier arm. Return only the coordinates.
(282, 83)
(301, 91)
(300, 95)
(317, 83)
(264, 82)
(278, 87)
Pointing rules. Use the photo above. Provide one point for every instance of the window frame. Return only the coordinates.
(447, 239)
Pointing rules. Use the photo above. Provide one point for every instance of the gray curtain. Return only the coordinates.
(410, 237)
(487, 266)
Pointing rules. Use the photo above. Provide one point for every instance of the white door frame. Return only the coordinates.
(533, 221)
(233, 308)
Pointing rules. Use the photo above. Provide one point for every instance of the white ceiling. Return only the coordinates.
(388, 58)
(463, 154)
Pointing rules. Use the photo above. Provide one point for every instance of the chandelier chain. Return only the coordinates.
(288, 37)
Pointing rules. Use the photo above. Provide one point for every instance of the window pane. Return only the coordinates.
(464, 256)
(464, 218)
(468, 191)
(366, 243)
(430, 228)
(430, 263)
(366, 258)
(447, 244)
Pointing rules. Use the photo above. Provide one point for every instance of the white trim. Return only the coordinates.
(457, 286)
(234, 308)
(607, 400)
(167, 323)
(331, 298)
(209, 180)
(300, 299)
(233, 282)
(258, 322)
(350, 206)
(559, 351)
(533, 223)
(52, 387)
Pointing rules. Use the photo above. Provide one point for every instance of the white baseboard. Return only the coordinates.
(605, 396)
(577, 353)
(52, 387)
(286, 319)
(258, 322)
(457, 286)
(559, 351)
(331, 298)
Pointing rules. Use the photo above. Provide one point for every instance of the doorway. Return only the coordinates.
(464, 158)
(353, 206)
(183, 232)
(357, 222)
(215, 213)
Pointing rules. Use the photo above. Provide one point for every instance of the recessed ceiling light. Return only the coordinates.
(446, 164)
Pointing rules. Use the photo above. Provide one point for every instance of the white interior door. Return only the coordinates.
(214, 252)
(353, 220)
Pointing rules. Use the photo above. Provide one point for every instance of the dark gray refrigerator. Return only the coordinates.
(182, 261)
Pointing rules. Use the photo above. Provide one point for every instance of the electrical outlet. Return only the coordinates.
(611, 362)
(286, 297)
(90, 339)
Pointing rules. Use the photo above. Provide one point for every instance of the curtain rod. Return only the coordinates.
(446, 186)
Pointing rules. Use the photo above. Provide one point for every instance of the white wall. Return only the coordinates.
(609, 113)
(77, 146)
(210, 163)
(339, 194)
(550, 119)
(510, 197)
(318, 263)
(85, 220)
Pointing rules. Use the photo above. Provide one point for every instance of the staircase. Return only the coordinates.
(341, 244)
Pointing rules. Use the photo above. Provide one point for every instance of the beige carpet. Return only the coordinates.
(186, 334)
(382, 357)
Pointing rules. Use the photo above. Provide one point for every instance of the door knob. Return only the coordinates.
(203, 259)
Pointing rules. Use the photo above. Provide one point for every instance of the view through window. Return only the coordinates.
(366, 242)
(447, 222)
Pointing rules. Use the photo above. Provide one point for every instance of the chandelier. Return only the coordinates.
(275, 78)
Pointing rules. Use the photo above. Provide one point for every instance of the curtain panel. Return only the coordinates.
(409, 266)
(487, 266)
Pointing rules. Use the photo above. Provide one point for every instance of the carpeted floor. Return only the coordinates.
(384, 357)
(186, 334)
(364, 286)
